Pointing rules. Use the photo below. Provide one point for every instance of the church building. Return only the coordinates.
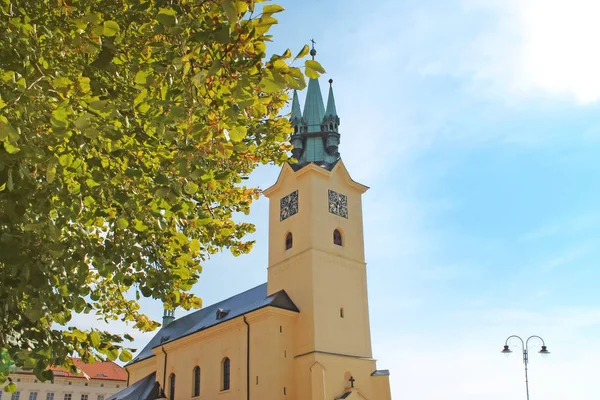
(302, 335)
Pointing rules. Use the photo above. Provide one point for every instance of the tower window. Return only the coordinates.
(330, 127)
(295, 129)
(289, 241)
(171, 386)
(226, 374)
(196, 391)
(342, 312)
(337, 237)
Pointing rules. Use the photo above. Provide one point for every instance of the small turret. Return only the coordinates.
(168, 317)
(331, 122)
(296, 120)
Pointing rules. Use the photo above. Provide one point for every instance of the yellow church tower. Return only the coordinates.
(303, 335)
(316, 255)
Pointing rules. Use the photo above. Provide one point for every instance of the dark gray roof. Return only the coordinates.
(237, 305)
(381, 372)
(144, 389)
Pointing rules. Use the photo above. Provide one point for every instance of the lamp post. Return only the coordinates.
(525, 344)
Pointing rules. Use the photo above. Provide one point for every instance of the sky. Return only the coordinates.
(475, 124)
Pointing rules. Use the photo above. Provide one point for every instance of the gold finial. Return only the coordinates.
(313, 52)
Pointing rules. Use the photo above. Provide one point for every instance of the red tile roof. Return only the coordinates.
(107, 370)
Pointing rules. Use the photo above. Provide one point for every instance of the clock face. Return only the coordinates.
(288, 206)
(338, 204)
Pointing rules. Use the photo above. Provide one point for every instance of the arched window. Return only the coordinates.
(330, 127)
(295, 129)
(342, 312)
(196, 389)
(337, 237)
(226, 374)
(289, 241)
(172, 387)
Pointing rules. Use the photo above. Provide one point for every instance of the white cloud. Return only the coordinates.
(539, 46)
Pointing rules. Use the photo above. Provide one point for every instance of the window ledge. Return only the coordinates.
(224, 391)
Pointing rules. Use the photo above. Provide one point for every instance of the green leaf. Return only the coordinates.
(10, 148)
(270, 85)
(190, 188)
(112, 353)
(141, 78)
(214, 67)
(111, 28)
(140, 226)
(50, 173)
(7, 131)
(230, 8)
(95, 339)
(237, 133)
(61, 82)
(10, 388)
(195, 245)
(125, 355)
(66, 160)
(122, 223)
(91, 183)
(167, 16)
(83, 121)
(84, 83)
(60, 118)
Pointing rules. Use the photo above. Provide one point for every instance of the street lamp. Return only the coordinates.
(525, 345)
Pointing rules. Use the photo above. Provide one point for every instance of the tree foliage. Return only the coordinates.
(126, 130)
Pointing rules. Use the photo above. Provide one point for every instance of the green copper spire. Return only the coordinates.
(330, 111)
(316, 138)
(296, 117)
(314, 110)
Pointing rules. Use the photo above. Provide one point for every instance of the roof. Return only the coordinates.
(381, 372)
(106, 370)
(144, 389)
(296, 116)
(314, 110)
(330, 111)
(233, 307)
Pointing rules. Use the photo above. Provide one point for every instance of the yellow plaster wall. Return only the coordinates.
(141, 369)
(319, 276)
(28, 383)
(271, 358)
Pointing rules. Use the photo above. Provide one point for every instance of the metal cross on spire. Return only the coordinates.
(313, 52)
(352, 381)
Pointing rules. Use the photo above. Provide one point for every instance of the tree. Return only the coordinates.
(127, 128)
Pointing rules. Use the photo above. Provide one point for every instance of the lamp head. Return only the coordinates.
(544, 351)
(506, 351)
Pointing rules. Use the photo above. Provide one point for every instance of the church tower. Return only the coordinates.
(316, 254)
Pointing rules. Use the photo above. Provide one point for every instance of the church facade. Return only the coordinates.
(303, 335)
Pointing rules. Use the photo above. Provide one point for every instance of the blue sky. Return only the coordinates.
(475, 123)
